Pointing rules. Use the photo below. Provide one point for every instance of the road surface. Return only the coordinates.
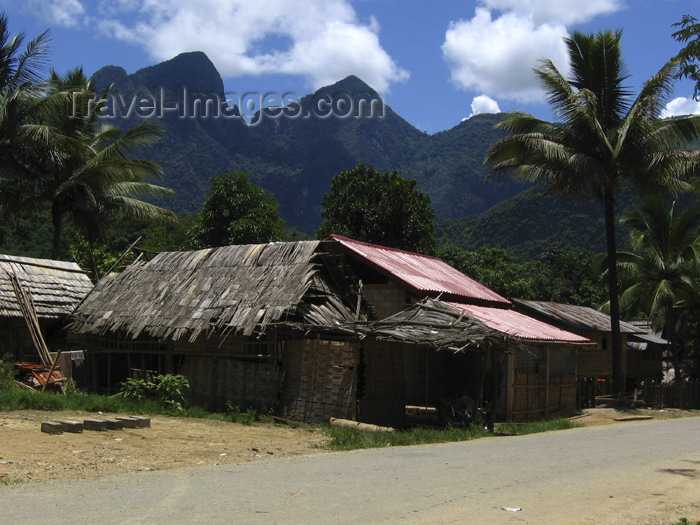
(636, 472)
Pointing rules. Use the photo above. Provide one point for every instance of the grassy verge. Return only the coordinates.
(532, 427)
(32, 400)
(343, 438)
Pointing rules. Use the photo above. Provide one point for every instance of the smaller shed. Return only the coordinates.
(56, 288)
(512, 366)
(595, 362)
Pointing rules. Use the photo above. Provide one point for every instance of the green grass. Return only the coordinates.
(340, 438)
(344, 438)
(533, 427)
(33, 400)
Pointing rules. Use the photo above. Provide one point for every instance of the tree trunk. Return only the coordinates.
(93, 262)
(56, 220)
(614, 294)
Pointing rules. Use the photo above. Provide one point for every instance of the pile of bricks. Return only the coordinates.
(118, 423)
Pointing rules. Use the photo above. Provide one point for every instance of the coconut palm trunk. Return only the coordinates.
(613, 294)
(603, 141)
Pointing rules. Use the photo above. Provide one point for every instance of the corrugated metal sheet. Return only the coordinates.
(422, 273)
(515, 323)
(579, 317)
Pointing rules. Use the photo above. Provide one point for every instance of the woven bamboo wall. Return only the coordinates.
(216, 381)
(319, 379)
(383, 399)
(530, 396)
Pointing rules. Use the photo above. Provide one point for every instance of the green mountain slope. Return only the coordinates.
(296, 158)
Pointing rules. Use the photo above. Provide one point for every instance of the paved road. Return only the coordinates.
(636, 472)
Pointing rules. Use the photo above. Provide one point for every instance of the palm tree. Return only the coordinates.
(89, 172)
(659, 273)
(21, 87)
(603, 141)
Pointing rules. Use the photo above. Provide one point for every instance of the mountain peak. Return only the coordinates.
(192, 70)
(350, 84)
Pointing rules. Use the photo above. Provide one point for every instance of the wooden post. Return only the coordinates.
(494, 386)
(53, 367)
(546, 394)
(427, 376)
(510, 388)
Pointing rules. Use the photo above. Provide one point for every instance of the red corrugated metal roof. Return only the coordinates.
(580, 317)
(512, 322)
(422, 273)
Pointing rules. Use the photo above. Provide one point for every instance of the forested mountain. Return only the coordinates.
(294, 156)
(294, 152)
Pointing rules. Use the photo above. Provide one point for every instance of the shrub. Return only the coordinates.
(7, 373)
(168, 389)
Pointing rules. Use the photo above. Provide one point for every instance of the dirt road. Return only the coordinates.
(639, 472)
(28, 455)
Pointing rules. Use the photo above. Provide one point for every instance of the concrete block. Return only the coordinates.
(114, 424)
(95, 424)
(129, 422)
(144, 422)
(72, 426)
(51, 427)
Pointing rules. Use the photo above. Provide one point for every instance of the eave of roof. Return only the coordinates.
(422, 274)
(577, 317)
(56, 287)
(520, 325)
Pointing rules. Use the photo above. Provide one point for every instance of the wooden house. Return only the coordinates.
(534, 362)
(251, 325)
(641, 349)
(55, 288)
(301, 328)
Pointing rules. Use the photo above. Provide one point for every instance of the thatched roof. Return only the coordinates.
(235, 288)
(435, 323)
(56, 287)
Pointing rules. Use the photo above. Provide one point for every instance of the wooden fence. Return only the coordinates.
(683, 395)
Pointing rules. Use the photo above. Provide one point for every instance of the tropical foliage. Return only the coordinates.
(689, 56)
(57, 154)
(21, 88)
(236, 211)
(379, 208)
(559, 275)
(604, 141)
(660, 272)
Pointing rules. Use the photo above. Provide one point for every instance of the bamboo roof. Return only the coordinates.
(56, 287)
(434, 323)
(238, 289)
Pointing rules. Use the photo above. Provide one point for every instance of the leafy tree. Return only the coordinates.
(689, 56)
(562, 276)
(660, 273)
(236, 211)
(603, 141)
(384, 209)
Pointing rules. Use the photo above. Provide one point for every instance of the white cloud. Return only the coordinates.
(497, 56)
(484, 104)
(564, 12)
(67, 13)
(681, 106)
(320, 39)
(496, 50)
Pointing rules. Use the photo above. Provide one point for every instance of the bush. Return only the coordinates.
(7, 373)
(168, 389)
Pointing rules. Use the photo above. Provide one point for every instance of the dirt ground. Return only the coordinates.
(29, 455)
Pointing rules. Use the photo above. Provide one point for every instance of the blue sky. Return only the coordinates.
(435, 63)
